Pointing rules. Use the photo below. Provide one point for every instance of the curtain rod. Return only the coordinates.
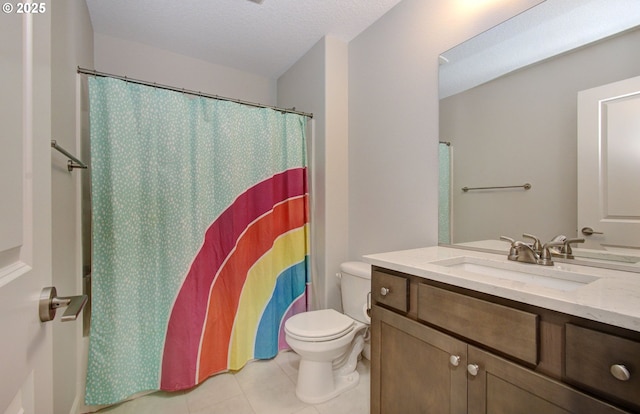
(190, 92)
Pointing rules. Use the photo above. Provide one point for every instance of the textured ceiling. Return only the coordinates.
(264, 37)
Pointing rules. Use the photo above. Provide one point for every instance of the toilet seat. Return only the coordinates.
(319, 326)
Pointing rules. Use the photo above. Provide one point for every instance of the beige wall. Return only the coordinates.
(318, 83)
(138, 61)
(375, 182)
(393, 119)
(71, 46)
(523, 128)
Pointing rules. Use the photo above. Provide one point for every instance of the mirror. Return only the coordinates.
(508, 108)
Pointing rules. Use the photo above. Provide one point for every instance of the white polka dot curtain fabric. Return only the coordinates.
(199, 235)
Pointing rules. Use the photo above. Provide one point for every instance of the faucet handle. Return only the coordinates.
(545, 254)
(537, 246)
(513, 252)
(508, 239)
(566, 247)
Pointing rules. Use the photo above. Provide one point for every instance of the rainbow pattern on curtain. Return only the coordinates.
(199, 236)
(246, 280)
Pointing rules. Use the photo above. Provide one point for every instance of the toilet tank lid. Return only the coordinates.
(360, 269)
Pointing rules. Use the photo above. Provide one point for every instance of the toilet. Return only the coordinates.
(329, 342)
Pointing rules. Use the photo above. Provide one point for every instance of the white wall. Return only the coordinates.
(523, 128)
(318, 83)
(393, 118)
(138, 61)
(71, 46)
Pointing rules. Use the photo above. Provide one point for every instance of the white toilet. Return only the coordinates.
(329, 342)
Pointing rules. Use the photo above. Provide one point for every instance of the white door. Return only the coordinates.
(25, 213)
(609, 166)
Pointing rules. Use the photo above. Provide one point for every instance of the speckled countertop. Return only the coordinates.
(603, 295)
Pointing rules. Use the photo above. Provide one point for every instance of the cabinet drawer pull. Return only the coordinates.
(384, 291)
(454, 360)
(473, 369)
(620, 372)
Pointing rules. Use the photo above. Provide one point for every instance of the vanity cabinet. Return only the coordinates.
(449, 350)
(610, 365)
(413, 368)
(502, 386)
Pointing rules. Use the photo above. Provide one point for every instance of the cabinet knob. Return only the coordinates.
(473, 369)
(620, 372)
(454, 360)
(384, 291)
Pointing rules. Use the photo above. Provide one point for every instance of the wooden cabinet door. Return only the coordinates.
(412, 371)
(501, 386)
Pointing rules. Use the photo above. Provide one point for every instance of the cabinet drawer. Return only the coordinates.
(590, 356)
(504, 329)
(390, 290)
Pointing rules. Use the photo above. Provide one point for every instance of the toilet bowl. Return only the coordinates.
(329, 343)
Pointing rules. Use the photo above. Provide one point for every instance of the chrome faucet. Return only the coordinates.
(531, 253)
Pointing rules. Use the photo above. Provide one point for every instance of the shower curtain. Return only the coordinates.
(200, 236)
(444, 193)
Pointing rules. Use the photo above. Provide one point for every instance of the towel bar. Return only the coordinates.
(73, 161)
(526, 186)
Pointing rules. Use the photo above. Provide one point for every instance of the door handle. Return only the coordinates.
(588, 231)
(50, 302)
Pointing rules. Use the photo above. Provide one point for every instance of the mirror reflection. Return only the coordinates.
(548, 100)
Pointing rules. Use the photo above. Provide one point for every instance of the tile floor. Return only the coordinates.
(261, 387)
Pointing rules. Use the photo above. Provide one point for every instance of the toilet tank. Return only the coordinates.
(355, 286)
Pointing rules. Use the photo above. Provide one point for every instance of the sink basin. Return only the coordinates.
(528, 274)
